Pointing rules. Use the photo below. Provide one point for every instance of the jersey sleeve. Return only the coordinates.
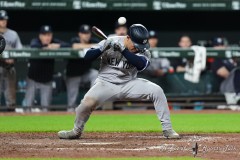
(217, 64)
(147, 56)
(62, 43)
(99, 45)
(74, 40)
(35, 43)
(18, 42)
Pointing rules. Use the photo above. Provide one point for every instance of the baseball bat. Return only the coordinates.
(98, 33)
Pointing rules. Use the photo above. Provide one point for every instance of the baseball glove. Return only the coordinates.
(2, 44)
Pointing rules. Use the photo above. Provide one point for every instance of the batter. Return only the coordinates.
(122, 57)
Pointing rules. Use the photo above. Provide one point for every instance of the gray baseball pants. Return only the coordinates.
(137, 89)
(45, 92)
(8, 85)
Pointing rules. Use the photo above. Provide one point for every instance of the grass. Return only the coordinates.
(183, 123)
(149, 158)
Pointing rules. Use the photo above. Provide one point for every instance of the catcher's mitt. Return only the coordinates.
(2, 44)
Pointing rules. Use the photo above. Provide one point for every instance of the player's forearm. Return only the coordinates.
(138, 61)
(81, 46)
(92, 54)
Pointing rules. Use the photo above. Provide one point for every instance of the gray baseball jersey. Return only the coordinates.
(114, 66)
(12, 39)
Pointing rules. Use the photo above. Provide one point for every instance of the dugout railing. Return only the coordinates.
(156, 53)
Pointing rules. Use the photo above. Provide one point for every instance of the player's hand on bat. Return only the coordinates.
(118, 46)
(107, 45)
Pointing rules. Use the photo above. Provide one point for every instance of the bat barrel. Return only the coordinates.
(98, 32)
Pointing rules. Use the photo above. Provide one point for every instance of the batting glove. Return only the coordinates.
(118, 46)
(107, 45)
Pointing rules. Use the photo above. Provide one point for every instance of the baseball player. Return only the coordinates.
(159, 66)
(7, 69)
(122, 57)
(40, 71)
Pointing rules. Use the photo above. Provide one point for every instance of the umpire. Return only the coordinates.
(7, 70)
(40, 71)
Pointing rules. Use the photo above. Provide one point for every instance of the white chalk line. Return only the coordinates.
(81, 143)
(161, 147)
(197, 138)
(99, 143)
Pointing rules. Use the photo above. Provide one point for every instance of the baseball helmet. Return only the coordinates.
(139, 36)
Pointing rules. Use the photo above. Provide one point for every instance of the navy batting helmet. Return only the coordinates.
(139, 36)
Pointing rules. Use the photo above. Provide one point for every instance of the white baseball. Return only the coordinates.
(122, 20)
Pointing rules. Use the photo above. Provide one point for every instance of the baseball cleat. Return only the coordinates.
(68, 135)
(171, 134)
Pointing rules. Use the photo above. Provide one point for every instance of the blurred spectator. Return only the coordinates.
(217, 43)
(7, 70)
(228, 72)
(40, 71)
(158, 66)
(185, 42)
(84, 38)
(221, 66)
(120, 28)
(153, 39)
(78, 71)
(179, 64)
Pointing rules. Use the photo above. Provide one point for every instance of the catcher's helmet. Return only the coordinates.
(139, 35)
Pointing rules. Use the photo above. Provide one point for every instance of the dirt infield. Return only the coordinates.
(211, 146)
